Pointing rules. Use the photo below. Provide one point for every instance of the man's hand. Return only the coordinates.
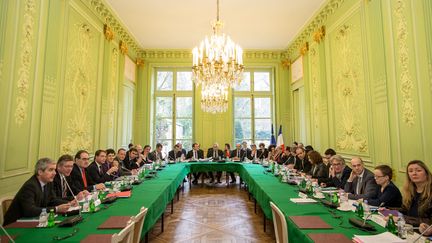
(100, 186)
(63, 208)
(422, 229)
(323, 184)
(353, 175)
(74, 203)
(112, 170)
(332, 172)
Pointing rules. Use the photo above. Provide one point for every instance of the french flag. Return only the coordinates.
(280, 141)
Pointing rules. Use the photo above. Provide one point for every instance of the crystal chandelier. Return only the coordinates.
(217, 67)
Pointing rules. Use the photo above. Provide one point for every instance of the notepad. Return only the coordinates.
(120, 194)
(115, 222)
(385, 237)
(310, 222)
(302, 200)
(326, 238)
(100, 238)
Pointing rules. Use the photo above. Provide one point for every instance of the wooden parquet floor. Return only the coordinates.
(214, 214)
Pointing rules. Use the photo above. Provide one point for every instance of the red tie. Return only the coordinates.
(84, 177)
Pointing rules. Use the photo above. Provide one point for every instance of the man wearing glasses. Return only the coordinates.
(338, 173)
(81, 180)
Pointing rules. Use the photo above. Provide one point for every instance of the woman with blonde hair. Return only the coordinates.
(417, 194)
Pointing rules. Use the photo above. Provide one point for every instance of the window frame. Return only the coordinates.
(173, 94)
(252, 94)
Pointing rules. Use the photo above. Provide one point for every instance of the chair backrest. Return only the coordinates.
(280, 224)
(5, 202)
(125, 235)
(139, 222)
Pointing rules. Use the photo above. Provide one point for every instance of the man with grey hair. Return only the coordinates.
(338, 173)
(37, 193)
(217, 154)
(361, 182)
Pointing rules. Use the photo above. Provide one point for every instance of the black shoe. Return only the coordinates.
(233, 182)
(211, 181)
(194, 182)
(219, 182)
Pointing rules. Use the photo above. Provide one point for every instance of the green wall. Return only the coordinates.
(62, 83)
(368, 82)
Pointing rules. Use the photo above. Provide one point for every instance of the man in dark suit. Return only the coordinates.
(195, 154)
(302, 163)
(157, 153)
(338, 173)
(62, 181)
(262, 151)
(175, 154)
(96, 171)
(37, 193)
(238, 154)
(252, 154)
(182, 149)
(79, 175)
(134, 161)
(217, 154)
(361, 183)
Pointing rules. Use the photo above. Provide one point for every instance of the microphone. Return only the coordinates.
(418, 238)
(70, 190)
(7, 234)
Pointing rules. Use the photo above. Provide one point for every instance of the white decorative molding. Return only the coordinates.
(79, 76)
(113, 84)
(26, 60)
(403, 60)
(297, 69)
(130, 69)
(187, 54)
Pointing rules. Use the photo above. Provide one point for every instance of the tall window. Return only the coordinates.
(173, 108)
(253, 107)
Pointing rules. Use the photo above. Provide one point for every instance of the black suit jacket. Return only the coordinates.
(335, 181)
(77, 181)
(302, 165)
(262, 154)
(250, 156)
(242, 153)
(172, 155)
(368, 186)
(319, 171)
(58, 187)
(93, 171)
(30, 200)
(200, 154)
(220, 153)
(153, 156)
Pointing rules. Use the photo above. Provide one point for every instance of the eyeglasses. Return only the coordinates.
(378, 176)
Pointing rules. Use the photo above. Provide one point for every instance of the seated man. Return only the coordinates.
(80, 178)
(285, 157)
(175, 154)
(253, 153)
(156, 155)
(237, 154)
(338, 173)
(37, 193)
(195, 154)
(217, 154)
(63, 186)
(302, 163)
(262, 151)
(96, 171)
(361, 183)
(135, 160)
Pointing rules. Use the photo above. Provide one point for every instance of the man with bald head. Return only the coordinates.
(361, 183)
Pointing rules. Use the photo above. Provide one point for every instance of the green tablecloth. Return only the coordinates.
(157, 193)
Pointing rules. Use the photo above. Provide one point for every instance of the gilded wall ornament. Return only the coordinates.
(109, 34)
(139, 62)
(26, 61)
(304, 49)
(319, 34)
(80, 87)
(403, 61)
(316, 94)
(319, 20)
(349, 98)
(123, 47)
(286, 63)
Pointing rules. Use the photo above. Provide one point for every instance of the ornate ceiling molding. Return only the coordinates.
(314, 25)
(187, 54)
(105, 13)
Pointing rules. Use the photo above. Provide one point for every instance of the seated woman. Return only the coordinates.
(417, 194)
(319, 169)
(388, 195)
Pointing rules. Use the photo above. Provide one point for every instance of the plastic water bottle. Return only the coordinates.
(401, 226)
(43, 218)
(51, 218)
(366, 209)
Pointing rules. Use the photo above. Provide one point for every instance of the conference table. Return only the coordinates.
(155, 194)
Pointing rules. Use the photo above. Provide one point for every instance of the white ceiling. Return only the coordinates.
(182, 24)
